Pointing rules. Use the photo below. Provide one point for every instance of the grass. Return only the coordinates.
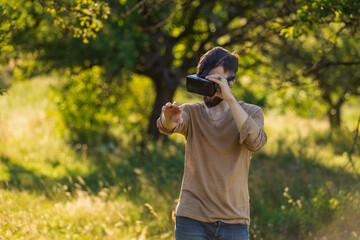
(301, 184)
(30, 216)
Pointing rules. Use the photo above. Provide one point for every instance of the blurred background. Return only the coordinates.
(82, 83)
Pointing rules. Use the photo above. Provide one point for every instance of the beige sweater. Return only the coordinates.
(217, 161)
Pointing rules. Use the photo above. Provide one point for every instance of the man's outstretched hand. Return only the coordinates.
(172, 112)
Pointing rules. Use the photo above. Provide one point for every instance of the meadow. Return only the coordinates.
(302, 183)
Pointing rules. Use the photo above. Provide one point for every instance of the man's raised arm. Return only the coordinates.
(171, 116)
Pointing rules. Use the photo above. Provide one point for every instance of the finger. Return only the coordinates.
(170, 106)
(178, 110)
(175, 104)
(215, 78)
(213, 75)
(220, 78)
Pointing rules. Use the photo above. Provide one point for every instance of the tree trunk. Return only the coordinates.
(164, 93)
(334, 114)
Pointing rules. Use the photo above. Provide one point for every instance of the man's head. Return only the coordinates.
(214, 58)
(219, 56)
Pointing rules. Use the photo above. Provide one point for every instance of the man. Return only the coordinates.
(221, 134)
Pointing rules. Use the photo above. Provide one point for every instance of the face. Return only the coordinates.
(214, 100)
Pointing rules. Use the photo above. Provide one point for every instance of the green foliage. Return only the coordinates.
(89, 106)
(83, 18)
(302, 101)
(301, 218)
(311, 75)
(295, 194)
(255, 86)
(6, 27)
(251, 93)
(312, 15)
(165, 40)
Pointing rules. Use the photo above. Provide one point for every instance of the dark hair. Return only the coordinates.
(218, 56)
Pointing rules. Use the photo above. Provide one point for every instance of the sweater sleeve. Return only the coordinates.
(180, 128)
(252, 133)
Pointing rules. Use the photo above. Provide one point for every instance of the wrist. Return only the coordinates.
(230, 99)
(167, 123)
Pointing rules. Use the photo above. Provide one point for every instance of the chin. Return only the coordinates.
(212, 101)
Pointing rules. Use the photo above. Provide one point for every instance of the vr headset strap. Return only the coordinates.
(206, 72)
(231, 78)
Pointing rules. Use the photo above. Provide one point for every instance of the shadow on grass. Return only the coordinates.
(160, 165)
(150, 169)
(131, 171)
(22, 178)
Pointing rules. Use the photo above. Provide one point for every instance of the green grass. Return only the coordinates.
(31, 216)
(301, 184)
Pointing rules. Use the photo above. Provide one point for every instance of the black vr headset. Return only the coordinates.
(196, 83)
(200, 85)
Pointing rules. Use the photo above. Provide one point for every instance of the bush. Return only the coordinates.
(88, 106)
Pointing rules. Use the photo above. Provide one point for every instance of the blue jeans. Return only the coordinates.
(190, 229)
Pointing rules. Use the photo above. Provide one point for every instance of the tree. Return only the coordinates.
(178, 33)
(329, 59)
(160, 39)
(29, 27)
(316, 48)
(322, 44)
